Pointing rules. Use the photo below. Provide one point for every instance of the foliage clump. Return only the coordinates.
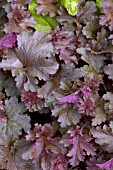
(56, 84)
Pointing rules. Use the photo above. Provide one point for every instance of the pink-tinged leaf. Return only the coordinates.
(107, 19)
(80, 147)
(72, 98)
(45, 148)
(60, 162)
(107, 165)
(34, 152)
(86, 106)
(32, 101)
(64, 43)
(86, 91)
(8, 41)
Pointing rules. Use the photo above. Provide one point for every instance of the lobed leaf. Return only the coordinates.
(13, 120)
(43, 23)
(103, 137)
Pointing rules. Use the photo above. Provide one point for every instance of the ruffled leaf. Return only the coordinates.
(100, 115)
(45, 148)
(17, 14)
(95, 63)
(33, 60)
(32, 101)
(104, 138)
(107, 165)
(45, 7)
(8, 41)
(43, 23)
(68, 114)
(64, 42)
(108, 70)
(8, 83)
(10, 154)
(91, 28)
(107, 19)
(86, 11)
(79, 144)
(13, 120)
(108, 97)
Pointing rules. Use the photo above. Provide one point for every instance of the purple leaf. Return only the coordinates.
(86, 91)
(107, 165)
(45, 149)
(72, 98)
(8, 40)
(81, 145)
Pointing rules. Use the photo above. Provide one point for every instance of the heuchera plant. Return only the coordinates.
(56, 85)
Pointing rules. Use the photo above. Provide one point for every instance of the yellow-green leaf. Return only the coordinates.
(70, 5)
(98, 5)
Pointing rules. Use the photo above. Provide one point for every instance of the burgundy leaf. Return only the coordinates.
(8, 40)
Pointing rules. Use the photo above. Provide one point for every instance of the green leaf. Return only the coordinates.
(32, 7)
(43, 23)
(70, 5)
(98, 5)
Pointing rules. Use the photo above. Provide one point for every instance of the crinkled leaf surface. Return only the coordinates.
(43, 23)
(8, 41)
(91, 28)
(10, 154)
(14, 120)
(79, 145)
(103, 137)
(44, 147)
(107, 19)
(68, 114)
(66, 74)
(69, 72)
(107, 165)
(33, 58)
(108, 97)
(8, 83)
(38, 54)
(108, 70)
(46, 7)
(95, 62)
(86, 11)
(100, 115)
